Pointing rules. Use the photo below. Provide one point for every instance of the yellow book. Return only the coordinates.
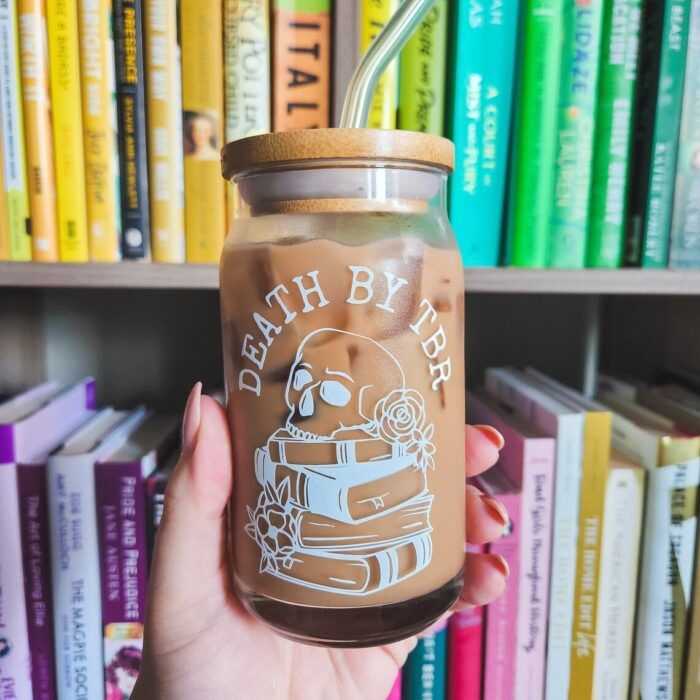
(15, 177)
(41, 180)
(69, 156)
(375, 14)
(99, 128)
(4, 224)
(202, 105)
(164, 105)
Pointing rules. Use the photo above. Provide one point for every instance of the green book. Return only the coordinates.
(575, 131)
(664, 42)
(532, 170)
(425, 671)
(422, 74)
(613, 129)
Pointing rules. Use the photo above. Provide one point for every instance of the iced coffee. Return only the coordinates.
(342, 309)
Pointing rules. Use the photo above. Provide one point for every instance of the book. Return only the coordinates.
(619, 568)
(373, 16)
(246, 73)
(500, 629)
(534, 126)
(482, 61)
(100, 129)
(691, 687)
(203, 103)
(663, 41)
(75, 563)
(672, 462)
(685, 226)
(422, 75)
(527, 458)
(395, 692)
(120, 488)
(4, 221)
(465, 632)
(424, 673)
(613, 132)
(301, 64)
(574, 135)
(566, 424)
(30, 427)
(595, 467)
(36, 102)
(164, 130)
(131, 114)
(156, 484)
(12, 131)
(67, 121)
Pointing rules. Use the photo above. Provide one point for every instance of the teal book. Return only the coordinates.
(685, 225)
(580, 62)
(534, 133)
(425, 671)
(613, 130)
(483, 46)
(663, 44)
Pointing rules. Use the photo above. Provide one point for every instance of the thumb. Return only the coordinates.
(189, 560)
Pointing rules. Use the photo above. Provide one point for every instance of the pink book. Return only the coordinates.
(527, 463)
(395, 693)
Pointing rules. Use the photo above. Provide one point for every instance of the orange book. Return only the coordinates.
(302, 62)
(36, 99)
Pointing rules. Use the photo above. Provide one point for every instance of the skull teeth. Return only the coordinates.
(303, 434)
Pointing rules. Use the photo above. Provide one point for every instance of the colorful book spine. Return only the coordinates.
(131, 112)
(12, 131)
(15, 679)
(34, 518)
(464, 645)
(4, 221)
(502, 614)
(624, 503)
(69, 154)
(246, 73)
(534, 146)
(691, 689)
(99, 129)
(374, 15)
(395, 692)
(164, 126)
(41, 180)
(483, 65)
(425, 672)
(685, 224)
(121, 520)
(422, 74)
(301, 69)
(574, 135)
(613, 132)
(203, 104)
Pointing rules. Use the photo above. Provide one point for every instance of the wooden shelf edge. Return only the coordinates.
(128, 275)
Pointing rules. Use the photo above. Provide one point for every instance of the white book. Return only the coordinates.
(75, 552)
(567, 425)
(617, 590)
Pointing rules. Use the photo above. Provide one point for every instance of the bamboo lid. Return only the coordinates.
(336, 144)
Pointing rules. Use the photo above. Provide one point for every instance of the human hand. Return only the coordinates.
(199, 640)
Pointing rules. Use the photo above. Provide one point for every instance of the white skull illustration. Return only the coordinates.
(335, 383)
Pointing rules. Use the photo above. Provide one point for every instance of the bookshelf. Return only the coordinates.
(476, 280)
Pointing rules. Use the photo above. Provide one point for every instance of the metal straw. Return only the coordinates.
(380, 54)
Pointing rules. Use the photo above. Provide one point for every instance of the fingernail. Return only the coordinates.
(497, 508)
(502, 565)
(191, 419)
(493, 435)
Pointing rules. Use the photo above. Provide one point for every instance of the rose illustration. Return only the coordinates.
(400, 417)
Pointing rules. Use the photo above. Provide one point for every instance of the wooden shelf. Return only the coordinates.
(485, 280)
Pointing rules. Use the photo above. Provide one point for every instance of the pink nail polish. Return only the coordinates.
(493, 435)
(501, 565)
(191, 418)
(497, 508)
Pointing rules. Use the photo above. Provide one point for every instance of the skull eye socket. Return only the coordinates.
(301, 379)
(334, 393)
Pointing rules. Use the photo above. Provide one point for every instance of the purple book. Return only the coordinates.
(120, 489)
(31, 426)
(156, 484)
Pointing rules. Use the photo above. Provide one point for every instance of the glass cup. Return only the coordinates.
(342, 302)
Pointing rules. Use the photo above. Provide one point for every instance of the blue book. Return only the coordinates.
(483, 48)
(425, 671)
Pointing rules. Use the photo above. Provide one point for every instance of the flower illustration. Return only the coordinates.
(273, 525)
(400, 418)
